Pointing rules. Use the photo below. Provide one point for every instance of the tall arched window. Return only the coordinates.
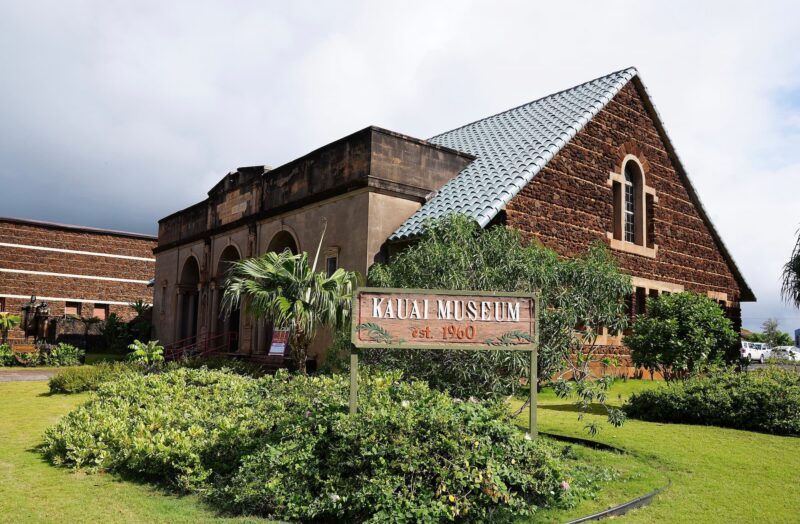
(633, 227)
(629, 213)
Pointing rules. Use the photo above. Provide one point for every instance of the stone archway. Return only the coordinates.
(188, 300)
(282, 241)
(222, 323)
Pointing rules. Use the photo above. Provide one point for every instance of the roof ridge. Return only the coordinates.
(632, 70)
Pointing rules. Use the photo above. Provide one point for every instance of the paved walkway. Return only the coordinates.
(8, 375)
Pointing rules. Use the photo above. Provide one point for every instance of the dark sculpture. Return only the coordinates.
(34, 319)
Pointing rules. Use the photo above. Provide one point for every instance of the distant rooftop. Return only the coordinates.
(81, 229)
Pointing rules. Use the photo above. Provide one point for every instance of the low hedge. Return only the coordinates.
(89, 378)
(765, 400)
(51, 355)
(232, 365)
(284, 447)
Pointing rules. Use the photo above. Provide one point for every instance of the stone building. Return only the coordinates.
(78, 271)
(593, 162)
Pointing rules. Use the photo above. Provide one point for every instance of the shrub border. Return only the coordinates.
(620, 509)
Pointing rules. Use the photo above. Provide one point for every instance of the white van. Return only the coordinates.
(755, 351)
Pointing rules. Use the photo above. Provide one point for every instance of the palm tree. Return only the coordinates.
(7, 323)
(286, 291)
(790, 288)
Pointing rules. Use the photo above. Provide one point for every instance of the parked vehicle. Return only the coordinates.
(785, 353)
(759, 351)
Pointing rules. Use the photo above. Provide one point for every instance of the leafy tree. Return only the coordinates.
(680, 334)
(774, 336)
(754, 337)
(7, 323)
(285, 290)
(455, 253)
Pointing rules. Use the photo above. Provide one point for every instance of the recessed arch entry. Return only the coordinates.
(282, 241)
(188, 300)
(222, 323)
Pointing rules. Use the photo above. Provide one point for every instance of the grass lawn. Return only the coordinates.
(31, 490)
(718, 475)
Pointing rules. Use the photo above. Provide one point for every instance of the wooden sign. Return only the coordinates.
(432, 319)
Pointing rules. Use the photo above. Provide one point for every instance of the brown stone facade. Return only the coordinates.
(93, 271)
(359, 189)
(365, 185)
(570, 204)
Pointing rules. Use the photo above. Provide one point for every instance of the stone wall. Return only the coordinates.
(53, 261)
(569, 204)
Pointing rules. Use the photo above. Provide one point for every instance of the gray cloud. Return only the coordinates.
(115, 114)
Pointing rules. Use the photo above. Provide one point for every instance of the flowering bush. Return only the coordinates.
(284, 447)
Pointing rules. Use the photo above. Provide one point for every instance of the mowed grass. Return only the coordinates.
(718, 475)
(31, 490)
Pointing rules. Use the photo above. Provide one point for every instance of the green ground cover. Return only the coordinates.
(31, 490)
(716, 473)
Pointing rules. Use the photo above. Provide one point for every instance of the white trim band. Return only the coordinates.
(67, 275)
(75, 252)
(81, 300)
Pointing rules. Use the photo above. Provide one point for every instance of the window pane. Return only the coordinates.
(630, 206)
(331, 265)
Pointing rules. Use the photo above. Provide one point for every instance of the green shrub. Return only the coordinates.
(147, 354)
(6, 355)
(456, 253)
(766, 400)
(681, 333)
(89, 378)
(232, 365)
(285, 447)
(62, 355)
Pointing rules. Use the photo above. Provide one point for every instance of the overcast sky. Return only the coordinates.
(115, 114)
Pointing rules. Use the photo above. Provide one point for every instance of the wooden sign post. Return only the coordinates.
(438, 319)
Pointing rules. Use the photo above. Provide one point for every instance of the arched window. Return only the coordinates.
(633, 228)
(630, 197)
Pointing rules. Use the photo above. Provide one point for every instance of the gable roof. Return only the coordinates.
(513, 146)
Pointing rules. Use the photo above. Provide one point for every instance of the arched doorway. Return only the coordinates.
(282, 241)
(188, 296)
(230, 323)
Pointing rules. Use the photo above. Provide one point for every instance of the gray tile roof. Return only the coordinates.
(511, 147)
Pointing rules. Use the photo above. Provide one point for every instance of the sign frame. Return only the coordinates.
(412, 344)
(532, 346)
